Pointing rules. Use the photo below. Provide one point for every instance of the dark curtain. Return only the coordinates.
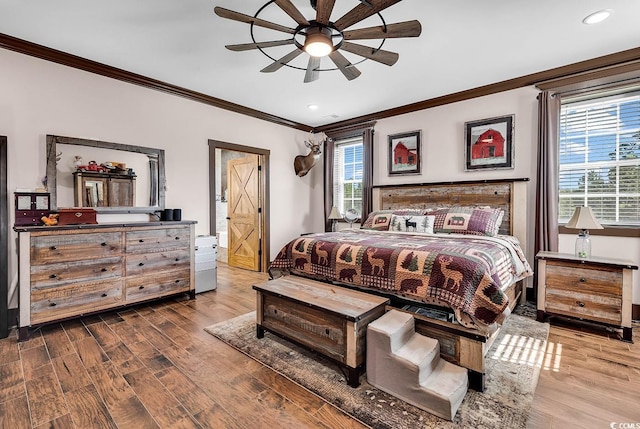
(367, 174)
(546, 226)
(328, 182)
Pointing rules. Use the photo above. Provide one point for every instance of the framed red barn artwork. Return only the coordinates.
(489, 143)
(404, 153)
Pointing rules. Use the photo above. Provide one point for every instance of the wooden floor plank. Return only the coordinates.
(14, 413)
(71, 373)
(57, 341)
(88, 410)
(11, 381)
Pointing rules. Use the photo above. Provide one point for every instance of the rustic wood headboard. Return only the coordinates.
(507, 194)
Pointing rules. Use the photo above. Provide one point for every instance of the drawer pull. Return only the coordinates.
(582, 280)
(103, 270)
(177, 238)
(141, 287)
(177, 281)
(141, 264)
(53, 304)
(53, 248)
(141, 241)
(53, 276)
(580, 304)
(103, 244)
(104, 295)
(177, 259)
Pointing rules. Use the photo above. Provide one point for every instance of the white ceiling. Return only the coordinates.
(464, 44)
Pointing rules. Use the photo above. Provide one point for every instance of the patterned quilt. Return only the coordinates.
(466, 273)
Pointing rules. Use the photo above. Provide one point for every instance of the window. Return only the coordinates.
(347, 174)
(600, 158)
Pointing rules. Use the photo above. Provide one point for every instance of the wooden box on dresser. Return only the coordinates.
(70, 271)
(594, 289)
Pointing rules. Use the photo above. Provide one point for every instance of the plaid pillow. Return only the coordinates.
(375, 219)
(468, 220)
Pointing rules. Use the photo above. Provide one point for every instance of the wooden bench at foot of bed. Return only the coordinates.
(297, 307)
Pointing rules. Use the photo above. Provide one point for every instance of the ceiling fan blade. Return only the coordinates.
(363, 11)
(323, 11)
(400, 29)
(312, 69)
(379, 55)
(249, 46)
(281, 62)
(292, 11)
(348, 70)
(237, 16)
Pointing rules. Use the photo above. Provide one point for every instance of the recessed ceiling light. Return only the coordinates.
(312, 107)
(598, 16)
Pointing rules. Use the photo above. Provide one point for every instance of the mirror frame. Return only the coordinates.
(157, 154)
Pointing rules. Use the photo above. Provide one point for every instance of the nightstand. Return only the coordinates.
(593, 289)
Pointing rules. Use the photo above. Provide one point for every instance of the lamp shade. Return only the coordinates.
(583, 218)
(335, 213)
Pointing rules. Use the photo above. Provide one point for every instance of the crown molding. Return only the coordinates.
(59, 57)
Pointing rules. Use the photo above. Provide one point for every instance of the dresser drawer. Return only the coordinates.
(73, 247)
(577, 277)
(157, 240)
(152, 286)
(52, 275)
(149, 263)
(585, 305)
(74, 299)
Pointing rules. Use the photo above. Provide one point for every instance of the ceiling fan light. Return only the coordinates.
(317, 43)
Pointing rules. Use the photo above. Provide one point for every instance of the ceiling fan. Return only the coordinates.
(321, 37)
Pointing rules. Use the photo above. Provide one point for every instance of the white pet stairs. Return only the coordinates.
(407, 365)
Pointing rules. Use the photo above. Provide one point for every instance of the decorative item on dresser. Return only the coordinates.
(30, 207)
(71, 271)
(593, 289)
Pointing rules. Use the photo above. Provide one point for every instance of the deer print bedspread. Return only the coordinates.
(466, 273)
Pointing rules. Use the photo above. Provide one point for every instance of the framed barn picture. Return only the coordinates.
(489, 144)
(404, 153)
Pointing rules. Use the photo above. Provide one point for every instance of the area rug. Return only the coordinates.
(513, 363)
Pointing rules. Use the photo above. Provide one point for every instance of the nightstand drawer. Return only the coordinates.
(578, 277)
(585, 305)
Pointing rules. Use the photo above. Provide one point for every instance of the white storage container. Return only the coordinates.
(206, 269)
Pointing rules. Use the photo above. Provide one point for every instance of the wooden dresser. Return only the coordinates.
(75, 270)
(593, 289)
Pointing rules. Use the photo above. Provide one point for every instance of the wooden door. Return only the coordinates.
(243, 181)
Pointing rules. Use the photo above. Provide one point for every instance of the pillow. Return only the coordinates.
(381, 221)
(468, 220)
(369, 223)
(412, 223)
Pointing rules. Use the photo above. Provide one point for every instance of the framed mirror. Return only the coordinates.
(137, 166)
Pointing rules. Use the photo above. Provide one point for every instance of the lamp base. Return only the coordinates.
(583, 245)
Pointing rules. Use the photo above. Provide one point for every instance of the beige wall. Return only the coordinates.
(39, 98)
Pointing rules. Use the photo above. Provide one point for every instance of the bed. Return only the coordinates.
(445, 252)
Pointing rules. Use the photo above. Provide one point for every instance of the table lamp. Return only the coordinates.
(584, 220)
(334, 216)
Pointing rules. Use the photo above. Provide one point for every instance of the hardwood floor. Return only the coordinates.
(154, 366)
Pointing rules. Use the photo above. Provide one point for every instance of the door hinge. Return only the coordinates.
(259, 168)
(259, 209)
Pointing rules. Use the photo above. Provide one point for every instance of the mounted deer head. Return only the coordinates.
(302, 164)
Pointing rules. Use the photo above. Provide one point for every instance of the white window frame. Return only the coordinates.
(592, 102)
(338, 172)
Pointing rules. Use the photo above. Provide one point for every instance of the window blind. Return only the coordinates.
(599, 159)
(347, 174)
